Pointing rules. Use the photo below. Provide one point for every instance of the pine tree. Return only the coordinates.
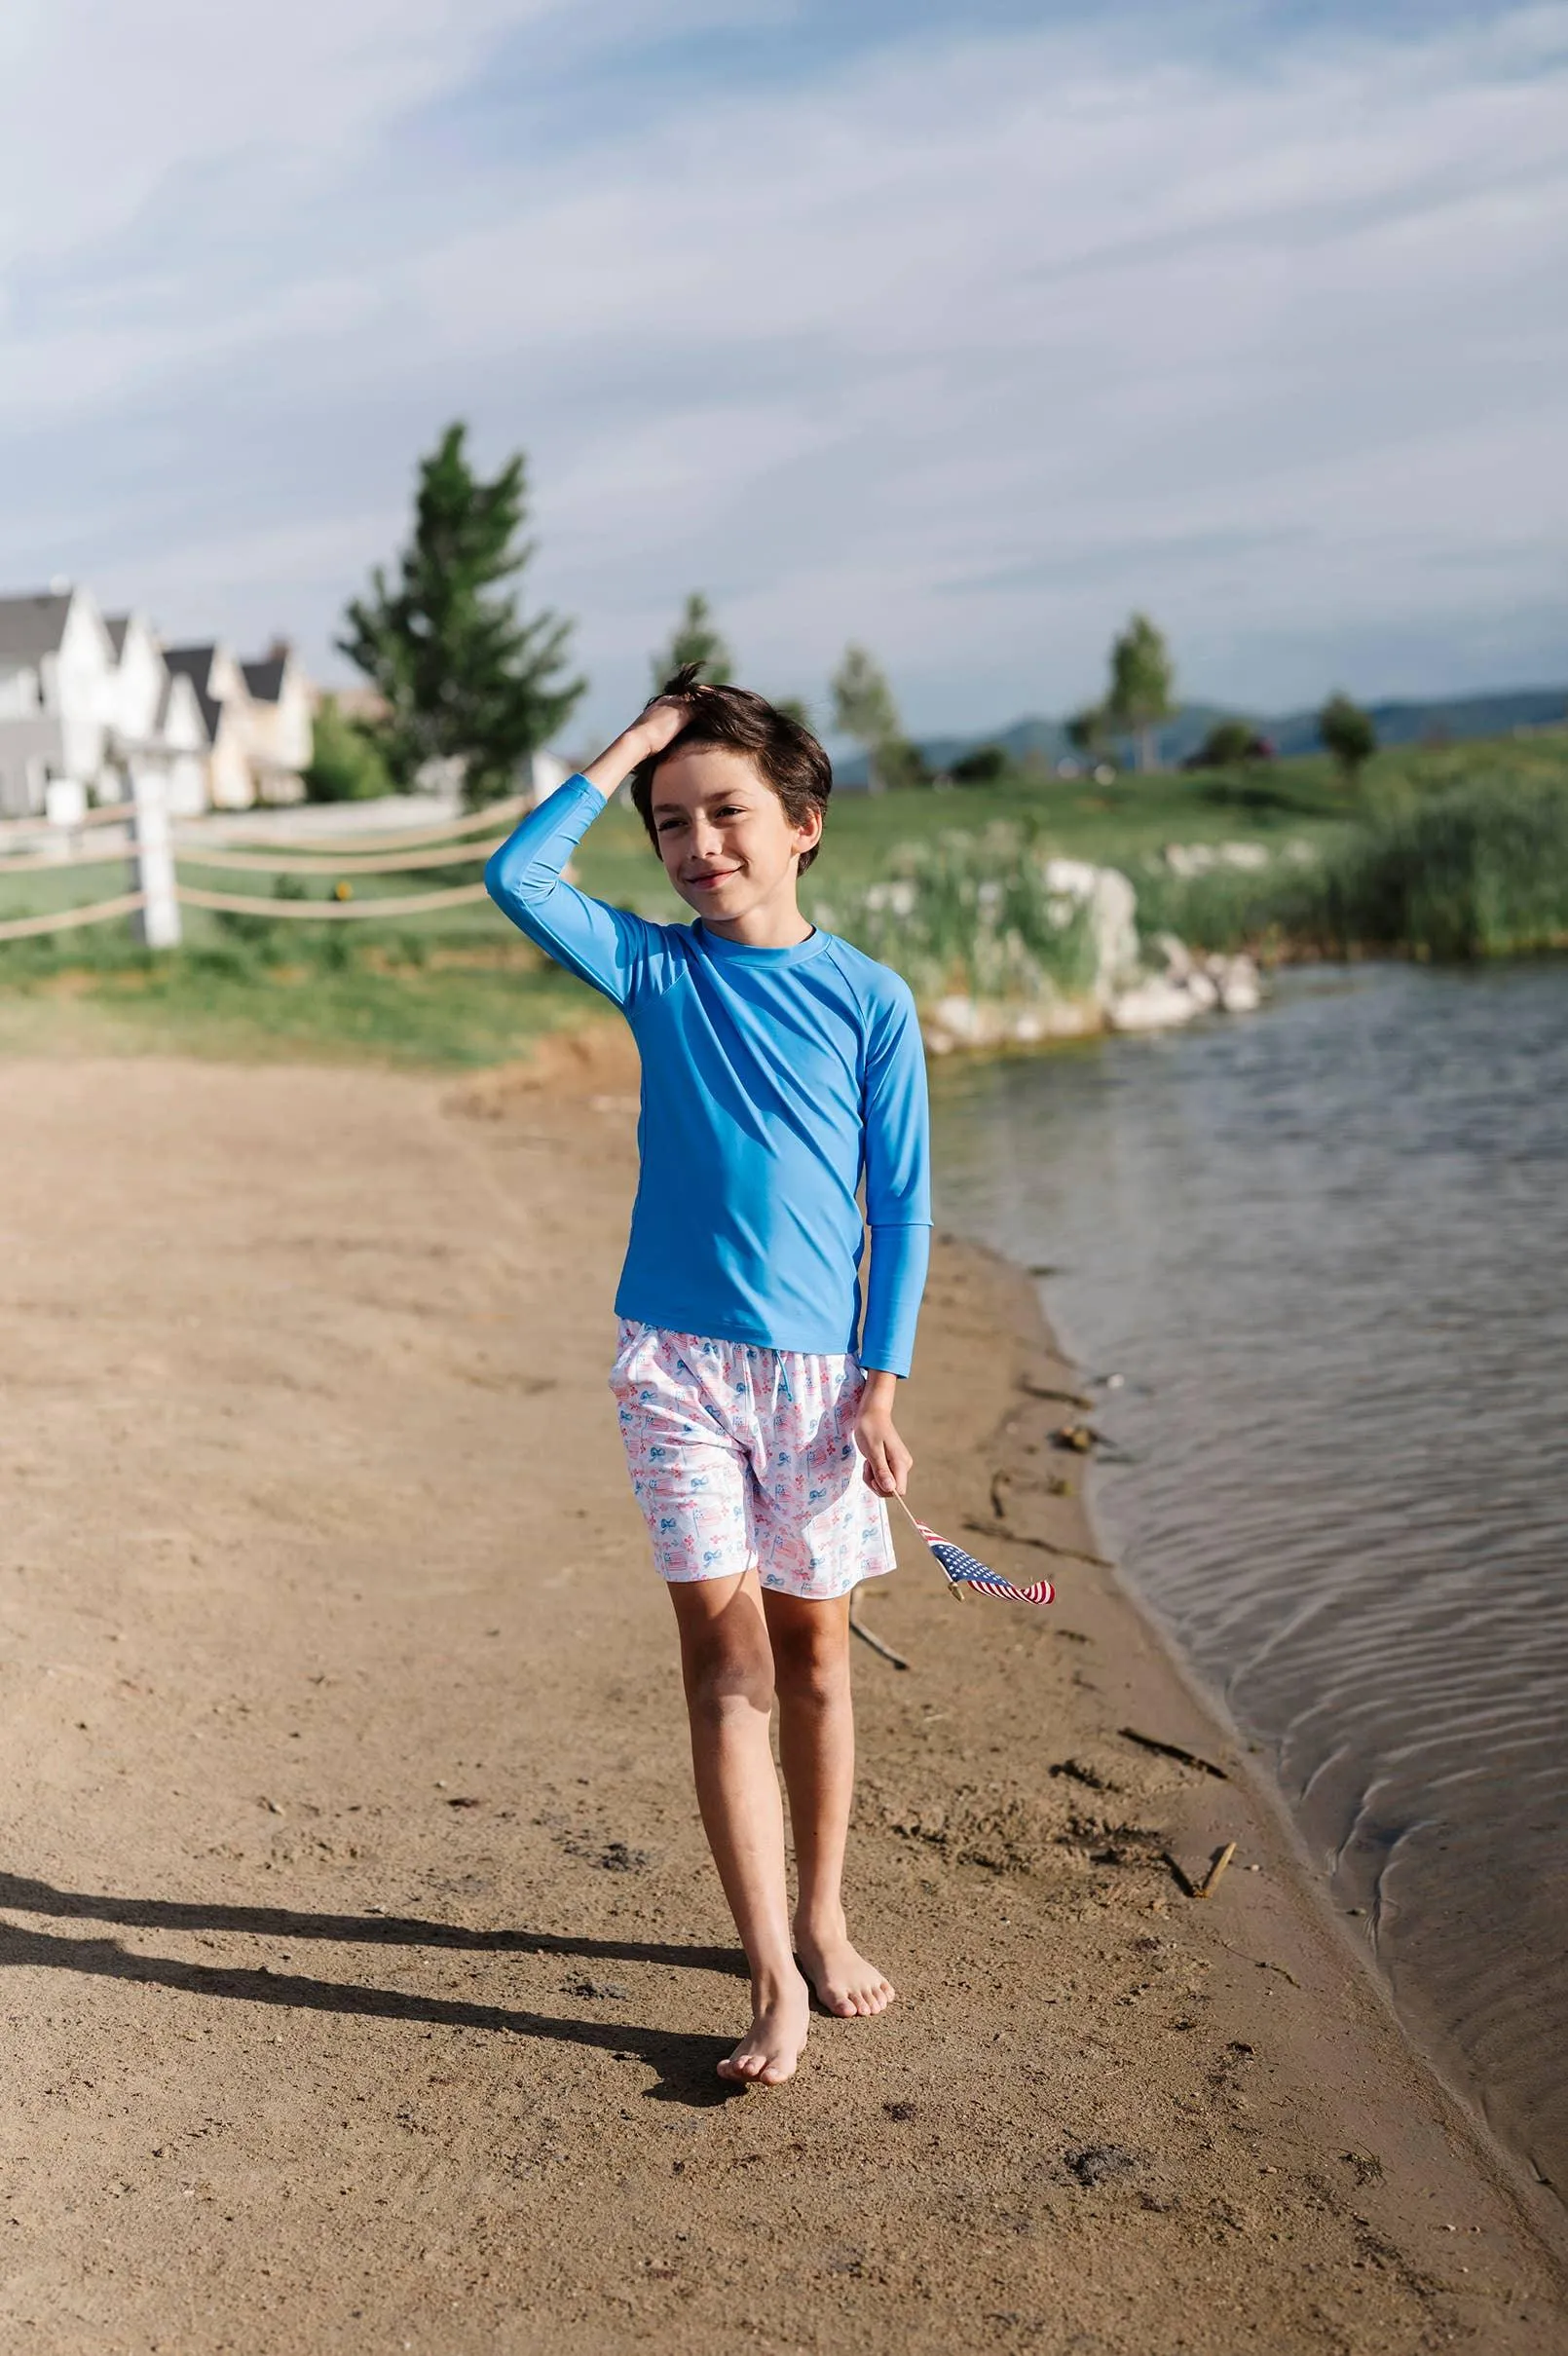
(696, 638)
(465, 678)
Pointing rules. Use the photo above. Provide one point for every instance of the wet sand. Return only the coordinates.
(366, 1973)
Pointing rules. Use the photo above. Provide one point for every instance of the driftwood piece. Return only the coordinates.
(1211, 1880)
(1173, 1750)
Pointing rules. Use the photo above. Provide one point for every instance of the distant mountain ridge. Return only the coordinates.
(1453, 719)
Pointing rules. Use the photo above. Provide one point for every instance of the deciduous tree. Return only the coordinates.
(346, 760)
(1086, 732)
(1348, 733)
(863, 708)
(1142, 686)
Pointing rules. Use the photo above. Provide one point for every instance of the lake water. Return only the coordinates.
(1326, 1247)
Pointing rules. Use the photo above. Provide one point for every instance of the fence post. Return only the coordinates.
(156, 923)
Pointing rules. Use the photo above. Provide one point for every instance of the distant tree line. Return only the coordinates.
(464, 682)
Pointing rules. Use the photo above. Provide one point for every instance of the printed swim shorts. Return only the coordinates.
(744, 1457)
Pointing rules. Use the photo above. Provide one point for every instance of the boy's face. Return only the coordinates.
(727, 843)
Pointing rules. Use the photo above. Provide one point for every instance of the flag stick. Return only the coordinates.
(954, 1586)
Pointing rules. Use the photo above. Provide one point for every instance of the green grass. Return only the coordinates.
(423, 1004)
(1455, 853)
(1108, 825)
(456, 990)
(1459, 853)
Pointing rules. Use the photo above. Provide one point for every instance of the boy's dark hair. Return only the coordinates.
(787, 755)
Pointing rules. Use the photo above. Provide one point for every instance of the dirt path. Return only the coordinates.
(365, 1971)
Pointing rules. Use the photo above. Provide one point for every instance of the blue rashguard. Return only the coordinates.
(775, 1080)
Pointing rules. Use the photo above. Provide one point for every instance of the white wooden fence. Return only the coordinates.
(146, 838)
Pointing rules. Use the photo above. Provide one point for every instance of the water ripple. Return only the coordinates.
(1327, 1250)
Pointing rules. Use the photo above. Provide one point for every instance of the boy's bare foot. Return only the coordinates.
(772, 2048)
(847, 1985)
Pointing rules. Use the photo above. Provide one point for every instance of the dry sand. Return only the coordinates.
(366, 1972)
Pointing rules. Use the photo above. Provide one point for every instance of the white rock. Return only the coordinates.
(1240, 991)
(1113, 905)
(1202, 988)
(1075, 878)
(1072, 1019)
(1177, 954)
(959, 1019)
(1154, 1004)
(1189, 858)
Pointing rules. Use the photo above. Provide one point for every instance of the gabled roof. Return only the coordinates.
(31, 627)
(265, 678)
(173, 681)
(118, 626)
(195, 664)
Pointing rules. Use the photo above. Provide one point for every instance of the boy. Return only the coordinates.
(780, 1068)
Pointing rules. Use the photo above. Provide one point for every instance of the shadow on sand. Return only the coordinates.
(683, 2064)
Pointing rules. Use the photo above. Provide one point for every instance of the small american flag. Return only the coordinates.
(964, 1570)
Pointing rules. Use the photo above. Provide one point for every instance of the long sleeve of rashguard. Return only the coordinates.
(607, 947)
(898, 1187)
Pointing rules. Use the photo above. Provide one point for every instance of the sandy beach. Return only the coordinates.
(366, 1972)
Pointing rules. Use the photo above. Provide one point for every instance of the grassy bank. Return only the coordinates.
(1441, 853)
(1460, 854)
(459, 1001)
(1110, 825)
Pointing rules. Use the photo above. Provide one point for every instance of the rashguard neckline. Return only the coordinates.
(741, 952)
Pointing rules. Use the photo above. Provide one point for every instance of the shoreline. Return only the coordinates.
(1453, 2081)
(368, 1966)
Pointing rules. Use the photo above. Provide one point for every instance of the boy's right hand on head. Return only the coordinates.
(662, 720)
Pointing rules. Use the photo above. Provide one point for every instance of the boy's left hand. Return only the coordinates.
(889, 1463)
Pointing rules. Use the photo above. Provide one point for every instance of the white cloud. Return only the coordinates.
(964, 349)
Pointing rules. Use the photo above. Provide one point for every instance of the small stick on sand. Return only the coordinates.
(1073, 1554)
(1040, 1390)
(859, 1629)
(1210, 1880)
(1171, 1750)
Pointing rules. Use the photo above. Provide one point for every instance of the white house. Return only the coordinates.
(223, 699)
(258, 721)
(281, 733)
(152, 721)
(57, 660)
(88, 706)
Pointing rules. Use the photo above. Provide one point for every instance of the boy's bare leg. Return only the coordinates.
(728, 1665)
(816, 1741)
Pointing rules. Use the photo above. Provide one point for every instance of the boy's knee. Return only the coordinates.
(811, 1661)
(724, 1678)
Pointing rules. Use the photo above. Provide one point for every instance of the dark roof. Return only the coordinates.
(265, 678)
(195, 664)
(31, 627)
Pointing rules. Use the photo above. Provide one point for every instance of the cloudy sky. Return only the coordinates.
(959, 326)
